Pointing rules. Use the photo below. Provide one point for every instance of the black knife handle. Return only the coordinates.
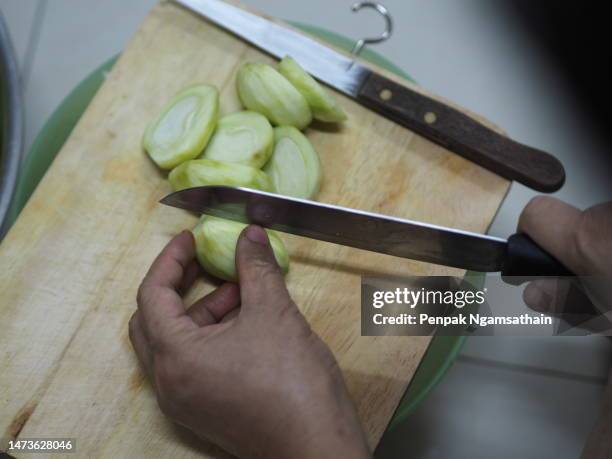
(462, 134)
(526, 259)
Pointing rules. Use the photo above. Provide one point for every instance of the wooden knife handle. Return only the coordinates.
(462, 134)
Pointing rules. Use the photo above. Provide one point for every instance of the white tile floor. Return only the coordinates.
(505, 397)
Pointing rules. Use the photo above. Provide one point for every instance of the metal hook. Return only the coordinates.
(384, 12)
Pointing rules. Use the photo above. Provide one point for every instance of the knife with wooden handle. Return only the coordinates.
(428, 117)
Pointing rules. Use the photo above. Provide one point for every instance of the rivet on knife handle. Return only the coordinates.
(462, 134)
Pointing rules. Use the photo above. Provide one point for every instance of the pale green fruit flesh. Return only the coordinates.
(184, 126)
(322, 104)
(262, 89)
(244, 138)
(216, 240)
(201, 172)
(294, 168)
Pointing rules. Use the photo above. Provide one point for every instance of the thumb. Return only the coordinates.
(262, 285)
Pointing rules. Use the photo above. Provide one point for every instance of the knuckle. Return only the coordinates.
(539, 202)
(288, 311)
(533, 209)
(583, 240)
(132, 326)
(292, 316)
(304, 330)
(141, 294)
(264, 268)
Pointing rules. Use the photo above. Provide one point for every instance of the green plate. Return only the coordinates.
(443, 349)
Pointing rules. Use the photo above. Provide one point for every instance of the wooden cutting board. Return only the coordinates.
(70, 266)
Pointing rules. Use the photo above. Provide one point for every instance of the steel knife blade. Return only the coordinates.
(424, 115)
(369, 231)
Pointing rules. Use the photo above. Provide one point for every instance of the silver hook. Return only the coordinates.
(384, 12)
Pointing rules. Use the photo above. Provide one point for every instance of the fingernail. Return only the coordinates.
(257, 234)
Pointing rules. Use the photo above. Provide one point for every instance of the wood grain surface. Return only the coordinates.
(71, 265)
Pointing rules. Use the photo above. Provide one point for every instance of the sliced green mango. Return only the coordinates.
(216, 240)
(294, 168)
(201, 172)
(322, 104)
(184, 126)
(244, 138)
(262, 89)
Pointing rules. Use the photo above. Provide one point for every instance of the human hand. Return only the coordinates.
(580, 240)
(241, 367)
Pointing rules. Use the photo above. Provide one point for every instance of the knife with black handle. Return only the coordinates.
(424, 115)
(518, 256)
(519, 259)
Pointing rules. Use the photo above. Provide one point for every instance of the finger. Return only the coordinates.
(191, 274)
(540, 295)
(262, 285)
(230, 315)
(212, 308)
(158, 296)
(552, 224)
(560, 298)
(594, 240)
(169, 268)
(140, 344)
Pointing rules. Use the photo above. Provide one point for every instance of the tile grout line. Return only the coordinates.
(33, 40)
(532, 370)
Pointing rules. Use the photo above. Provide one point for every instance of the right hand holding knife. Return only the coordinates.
(580, 240)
